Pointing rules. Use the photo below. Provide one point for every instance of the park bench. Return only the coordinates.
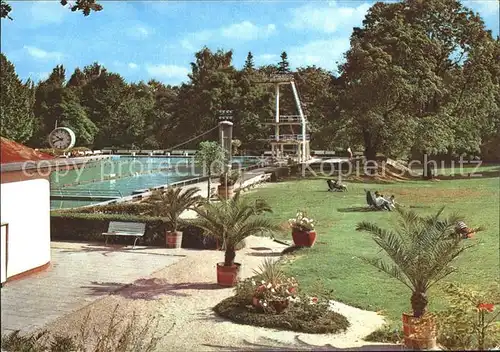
(118, 228)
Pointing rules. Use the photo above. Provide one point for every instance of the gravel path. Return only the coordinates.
(185, 292)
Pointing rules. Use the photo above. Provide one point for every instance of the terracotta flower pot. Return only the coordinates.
(173, 239)
(228, 275)
(419, 333)
(304, 238)
(221, 191)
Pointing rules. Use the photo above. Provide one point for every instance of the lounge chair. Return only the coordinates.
(370, 200)
(336, 187)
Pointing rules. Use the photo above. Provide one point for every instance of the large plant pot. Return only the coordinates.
(225, 193)
(419, 333)
(228, 275)
(173, 239)
(304, 238)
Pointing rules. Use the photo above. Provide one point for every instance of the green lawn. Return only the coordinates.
(335, 257)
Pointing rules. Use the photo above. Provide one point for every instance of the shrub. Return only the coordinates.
(386, 334)
(470, 322)
(120, 335)
(89, 226)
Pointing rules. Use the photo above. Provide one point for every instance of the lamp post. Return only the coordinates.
(226, 138)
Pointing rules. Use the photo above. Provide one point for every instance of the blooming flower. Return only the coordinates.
(486, 306)
(314, 300)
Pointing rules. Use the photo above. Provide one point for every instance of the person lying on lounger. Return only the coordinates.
(381, 202)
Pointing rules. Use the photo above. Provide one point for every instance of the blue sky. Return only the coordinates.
(157, 39)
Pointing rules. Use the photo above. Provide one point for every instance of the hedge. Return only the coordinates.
(86, 226)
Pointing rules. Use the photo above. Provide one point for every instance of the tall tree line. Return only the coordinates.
(419, 77)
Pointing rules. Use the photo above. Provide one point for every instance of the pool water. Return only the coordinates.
(126, 174)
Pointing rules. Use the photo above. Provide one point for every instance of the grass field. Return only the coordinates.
(334, 260)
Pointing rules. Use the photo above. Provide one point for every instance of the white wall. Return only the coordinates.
(25, 206)
(3, 253)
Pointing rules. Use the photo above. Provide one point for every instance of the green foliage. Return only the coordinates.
(121, 334)
(211, 157)
(471, 320)
(88, 224)
(269, 271)
(172, 202)
(284, 65)
(421, 251)
(386, 334)
(304, 317)
(231, 221)
(16, 101)
(230, 177)
(421, 70)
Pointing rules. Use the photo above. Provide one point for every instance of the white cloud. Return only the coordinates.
(47, 12)
(328, 19)
(246, 30)
(139, 32)
(172, 73)
(133, 65)
(41, 54)
(322, 53)
(266, 58)
(243, 31)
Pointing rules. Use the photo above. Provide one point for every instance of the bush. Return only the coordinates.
(120, 335)
(386, 334)
(89, 226)
(471, 320)
(59, 152)
(302, 317)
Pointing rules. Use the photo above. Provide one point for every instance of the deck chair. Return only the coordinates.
(335, 187)
(370, 200)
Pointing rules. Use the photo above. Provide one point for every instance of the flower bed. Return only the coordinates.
(300, 317)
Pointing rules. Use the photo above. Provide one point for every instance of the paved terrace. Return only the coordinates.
(69, 284)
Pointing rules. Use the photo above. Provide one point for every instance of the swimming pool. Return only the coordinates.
(120, 176)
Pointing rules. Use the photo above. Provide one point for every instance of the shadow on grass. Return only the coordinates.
(148, 289)
(267, 344)
(357, 209)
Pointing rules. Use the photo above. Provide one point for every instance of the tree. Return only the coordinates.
(233, 220)
(421, 250)
(71, 114)
(212, 87)
(249, 64)
(283, 65)
(17, 99)
(85, 6)
(210, 157)
(172, 202)
(413, 66)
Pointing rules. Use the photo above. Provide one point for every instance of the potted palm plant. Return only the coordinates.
(303, 233)
(421, 250)
(227, 181)
(170, 204)
(231, 221)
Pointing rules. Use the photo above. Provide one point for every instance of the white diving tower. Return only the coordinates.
(294, 144)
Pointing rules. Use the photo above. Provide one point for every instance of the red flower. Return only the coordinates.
(261, 288)
(486, 306)
(292, 290)
(314, 300)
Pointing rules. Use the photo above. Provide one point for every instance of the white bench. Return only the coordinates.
(118, 228)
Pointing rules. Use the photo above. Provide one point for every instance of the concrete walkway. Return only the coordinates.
(79, 275)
